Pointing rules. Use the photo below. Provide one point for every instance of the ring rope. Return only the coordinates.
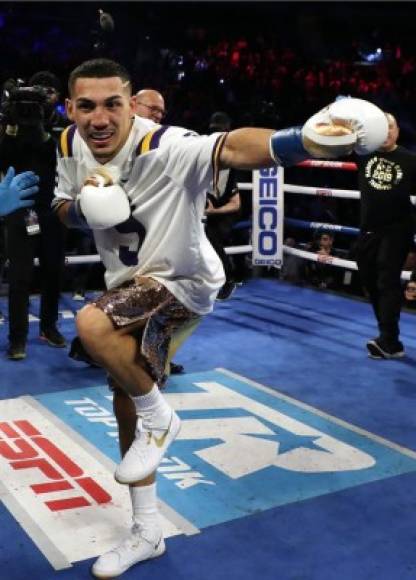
(307, 225)
(288, 188)
(322, 191)
(324, 164)
(331, 260)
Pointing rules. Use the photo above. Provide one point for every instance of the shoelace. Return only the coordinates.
(145, 423)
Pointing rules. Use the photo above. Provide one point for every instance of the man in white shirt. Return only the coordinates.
(141, 188)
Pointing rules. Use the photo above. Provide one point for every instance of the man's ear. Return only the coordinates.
(133, 105)
(69, 109)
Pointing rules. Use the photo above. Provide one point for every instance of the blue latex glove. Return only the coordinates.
(14, 189)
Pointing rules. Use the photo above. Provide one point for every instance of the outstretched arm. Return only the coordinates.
(247, 148)
(346, 125)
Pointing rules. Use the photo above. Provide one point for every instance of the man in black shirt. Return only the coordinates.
(387, 179)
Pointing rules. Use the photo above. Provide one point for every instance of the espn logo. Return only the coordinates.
(24, 447)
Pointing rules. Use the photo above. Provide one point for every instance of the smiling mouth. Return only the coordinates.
(100, 138)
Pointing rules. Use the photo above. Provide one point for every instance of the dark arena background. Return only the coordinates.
(297, 456)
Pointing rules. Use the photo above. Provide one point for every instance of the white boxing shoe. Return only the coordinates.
(147, 450)
(134, 549)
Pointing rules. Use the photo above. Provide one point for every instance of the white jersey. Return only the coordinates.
(165, 172)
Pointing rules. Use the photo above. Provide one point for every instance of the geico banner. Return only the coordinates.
(268, 217)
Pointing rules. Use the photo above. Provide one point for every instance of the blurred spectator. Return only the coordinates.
(321, 273)
(410, 286)
(410, 289)
(293, 267)
(150, 104)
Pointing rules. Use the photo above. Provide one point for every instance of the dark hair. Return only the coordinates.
(45, 78)
(98, 68)
(219, 121)
(326, 233)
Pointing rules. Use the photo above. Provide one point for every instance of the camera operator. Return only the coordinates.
(54, 122)
(29, 123)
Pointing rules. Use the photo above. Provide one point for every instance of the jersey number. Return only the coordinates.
(131, 226)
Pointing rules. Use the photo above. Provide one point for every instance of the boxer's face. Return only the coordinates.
(103, 110)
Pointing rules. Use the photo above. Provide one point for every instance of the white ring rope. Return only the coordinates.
(331, 260)
(322, 258)
(322, 191)
(312, 256)
(95, 258)
(288, 188)
(319, 191)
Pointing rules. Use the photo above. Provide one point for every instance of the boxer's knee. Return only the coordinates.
(93, 326)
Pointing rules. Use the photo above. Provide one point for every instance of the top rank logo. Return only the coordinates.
(238, 437)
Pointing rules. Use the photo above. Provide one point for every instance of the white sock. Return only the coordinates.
(145, 510)
(153, 408)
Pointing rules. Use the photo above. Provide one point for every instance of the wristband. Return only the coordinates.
(286, 146)
(75, 218)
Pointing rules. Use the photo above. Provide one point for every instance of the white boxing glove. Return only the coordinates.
(103, 203)
(344, 126)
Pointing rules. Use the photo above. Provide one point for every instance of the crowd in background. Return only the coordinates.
(268, 62)
(265, 65)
